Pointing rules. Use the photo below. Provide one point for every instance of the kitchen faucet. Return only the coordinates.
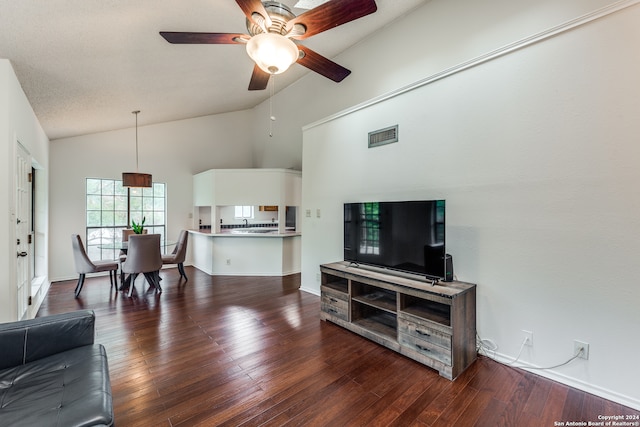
(246, 222)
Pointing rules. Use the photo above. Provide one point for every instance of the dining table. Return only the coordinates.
(123, 247)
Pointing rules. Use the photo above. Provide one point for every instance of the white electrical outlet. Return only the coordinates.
(308, 213)
(577, 345)
(528, 336)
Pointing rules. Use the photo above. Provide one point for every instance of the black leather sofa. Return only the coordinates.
(52, 373)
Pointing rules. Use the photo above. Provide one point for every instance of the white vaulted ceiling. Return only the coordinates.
(86, 64)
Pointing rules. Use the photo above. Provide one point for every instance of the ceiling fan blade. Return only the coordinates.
(321, 65)
(251, 6)
(330, 15)
(259, 79)
(203, 38)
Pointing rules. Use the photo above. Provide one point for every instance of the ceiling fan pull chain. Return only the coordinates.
(272, 118)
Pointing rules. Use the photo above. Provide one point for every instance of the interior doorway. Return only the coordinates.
(39, 228)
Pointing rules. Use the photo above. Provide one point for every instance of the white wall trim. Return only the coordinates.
(39, 297)
(479, 60)
(309, 290)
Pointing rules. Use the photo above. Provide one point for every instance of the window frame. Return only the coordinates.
(110, 208)
(243, 212)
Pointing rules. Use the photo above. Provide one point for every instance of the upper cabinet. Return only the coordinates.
(229, 187)
(204, 188)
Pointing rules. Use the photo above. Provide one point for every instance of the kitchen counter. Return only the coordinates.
(246, 251)
(246, 232)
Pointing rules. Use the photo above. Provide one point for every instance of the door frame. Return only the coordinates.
(22, 230)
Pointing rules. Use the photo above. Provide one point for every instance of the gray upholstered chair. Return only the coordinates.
(129, 231)
(143, 256)
(85, 266)
(179, 254)
(123, 254)
(126, 233)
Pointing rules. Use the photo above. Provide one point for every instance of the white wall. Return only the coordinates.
(172, 152)
(7, 292)
(17, 122)
(536, 153)
(439, 35)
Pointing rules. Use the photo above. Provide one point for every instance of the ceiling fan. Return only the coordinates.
(272, 30)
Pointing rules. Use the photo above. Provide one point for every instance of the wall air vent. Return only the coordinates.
(383, 136)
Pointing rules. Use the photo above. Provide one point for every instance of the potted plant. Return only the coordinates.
(138, 228)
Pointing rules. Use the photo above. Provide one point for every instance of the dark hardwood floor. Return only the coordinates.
(253, 351)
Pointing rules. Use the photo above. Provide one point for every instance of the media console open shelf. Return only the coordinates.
(432, 324)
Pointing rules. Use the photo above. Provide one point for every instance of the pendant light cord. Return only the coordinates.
(136, 113)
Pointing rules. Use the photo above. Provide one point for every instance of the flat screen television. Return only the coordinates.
(407, 236)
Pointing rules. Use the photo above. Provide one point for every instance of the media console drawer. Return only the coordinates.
(335, 303)
(426, 348)
(434, 324)
(424, 333)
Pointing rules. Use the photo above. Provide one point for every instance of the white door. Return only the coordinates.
(23, 214)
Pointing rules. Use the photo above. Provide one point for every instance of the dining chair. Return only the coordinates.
(129, 231)
(122, 256)
(126, 233)
(179, 254)
(143, 256)
(123, 253)
(84, 265)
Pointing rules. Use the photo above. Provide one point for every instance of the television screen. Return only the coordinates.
(406, 236)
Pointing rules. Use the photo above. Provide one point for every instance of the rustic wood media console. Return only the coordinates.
(434, 324)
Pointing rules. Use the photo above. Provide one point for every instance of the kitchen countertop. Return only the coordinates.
(243, 232)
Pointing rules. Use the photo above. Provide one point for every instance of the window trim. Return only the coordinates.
(111, 231)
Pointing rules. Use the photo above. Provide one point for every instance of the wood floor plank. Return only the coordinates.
(448, 393)
(471, 414)
(555, 404)
(297, 396)
(337, 410)
(384, 411)
(317, 401)
(252, 351)
(537, 397)
(492, 413)
(572, 409)
(512, 415)
(431, 389)
(457, 406)
(592, 405)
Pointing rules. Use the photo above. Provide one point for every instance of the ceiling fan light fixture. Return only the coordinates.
(273, 53)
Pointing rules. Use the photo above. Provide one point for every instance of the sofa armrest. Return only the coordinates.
(28, 340)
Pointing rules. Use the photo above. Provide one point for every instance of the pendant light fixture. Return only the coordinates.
(136, 179)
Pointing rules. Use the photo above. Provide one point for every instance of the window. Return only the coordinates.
(110, 207)
(370, 228)
(439, 220)
(243, 212)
